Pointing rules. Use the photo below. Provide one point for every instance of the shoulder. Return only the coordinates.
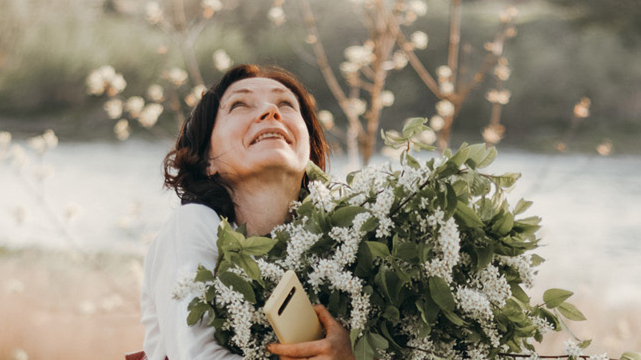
(195, 212)
(192, 218)
(189, 229)
(188, 238)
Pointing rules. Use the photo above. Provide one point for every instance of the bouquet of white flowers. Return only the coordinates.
(421, 260)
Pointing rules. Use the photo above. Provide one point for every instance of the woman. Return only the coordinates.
(241, 154)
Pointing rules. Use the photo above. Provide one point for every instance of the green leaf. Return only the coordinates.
(460, 157)
(479, 185)
(521, 206)
(364, 261)
(475, 155)
(445, 170)
(257, 245)
(353, 336)
(378, 341)
(203, 275)
(503, 224)
(537, 260)
(506, 180)
(377, 249)
(393, 140)
(248, 265)
(451, 201)
(484, 256)
(412, 162)
(364, 350)
(571, 312)
(584, 344)
(407, 251)
(489, 158)
(344, 217)
(455, 319)
(238, 284)
(413, 127)
(428, 309)
(630, 355)
(370, 224)
(392, 314)
(316, 173)
(467, 216)
(441, 294)
(519, 293)
(555, 297)
(196, 311)
(388, 336)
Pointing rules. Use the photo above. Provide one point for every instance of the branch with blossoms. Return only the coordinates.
(177, 90)
(387, 48)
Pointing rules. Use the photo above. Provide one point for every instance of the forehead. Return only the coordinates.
(256, 85)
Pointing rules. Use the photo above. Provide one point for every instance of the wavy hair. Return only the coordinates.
(185, 166)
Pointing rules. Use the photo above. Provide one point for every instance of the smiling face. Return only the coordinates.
(259, 129)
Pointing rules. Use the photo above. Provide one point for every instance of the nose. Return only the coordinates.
(271, 112)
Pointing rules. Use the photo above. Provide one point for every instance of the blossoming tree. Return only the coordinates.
(179, 89)
(387, 48)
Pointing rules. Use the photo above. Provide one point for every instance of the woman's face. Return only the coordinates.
(259, 128)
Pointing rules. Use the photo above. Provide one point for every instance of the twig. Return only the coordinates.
(355, 127)
(417, 65)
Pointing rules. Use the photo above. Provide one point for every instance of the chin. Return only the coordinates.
(275, 160)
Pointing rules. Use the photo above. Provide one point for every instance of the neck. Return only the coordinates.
(264, 204)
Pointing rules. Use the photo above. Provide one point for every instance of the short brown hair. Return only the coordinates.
(185, 166)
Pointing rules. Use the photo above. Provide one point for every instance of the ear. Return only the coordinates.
(211, 169)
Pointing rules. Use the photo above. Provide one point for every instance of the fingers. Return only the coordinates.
(299, 350)
(325, 317)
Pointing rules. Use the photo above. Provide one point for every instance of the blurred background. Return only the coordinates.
(92, 93)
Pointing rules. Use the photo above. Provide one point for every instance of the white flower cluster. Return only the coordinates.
(370, 179)
(320, 195)
(105, 80)
(572, 349)
(603, 356)
(411, 178)
(187, 287)
(381, 210)
(349, 240)
(474, 304)
(448, 247)
(478, 352)
(300, 241)
(41, 143)
(410, 327)
(269, 271)
(241, 315)
(523, 265)
(494, 285)
(330, 270)
(542, 324)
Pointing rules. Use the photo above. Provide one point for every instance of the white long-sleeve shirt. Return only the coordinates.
(187, 239)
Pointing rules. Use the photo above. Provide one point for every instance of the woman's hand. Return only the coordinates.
(335, 346)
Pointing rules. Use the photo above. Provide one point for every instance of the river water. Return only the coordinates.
(108, 196)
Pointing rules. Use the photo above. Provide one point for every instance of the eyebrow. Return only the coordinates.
(248, 91)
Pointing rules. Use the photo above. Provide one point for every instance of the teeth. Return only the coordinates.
(269, 135)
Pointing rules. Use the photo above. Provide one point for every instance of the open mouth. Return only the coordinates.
(269, 136)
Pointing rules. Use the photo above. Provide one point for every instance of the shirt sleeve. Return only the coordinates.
(187, 240)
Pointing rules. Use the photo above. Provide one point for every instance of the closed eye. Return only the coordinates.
(286, 103)
(236, 104)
